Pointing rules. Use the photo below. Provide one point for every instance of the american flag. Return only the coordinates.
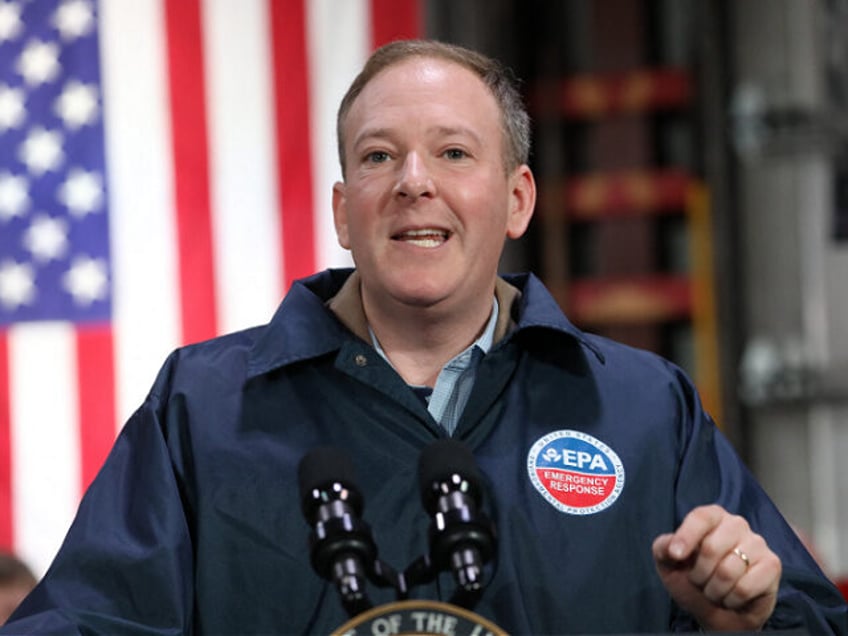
(165, 173)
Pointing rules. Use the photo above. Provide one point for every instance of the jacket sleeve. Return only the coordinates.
(125, 566)
(712, 472)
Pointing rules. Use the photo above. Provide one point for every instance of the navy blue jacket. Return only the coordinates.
(589, 450)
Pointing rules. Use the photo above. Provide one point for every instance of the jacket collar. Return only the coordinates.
(320, 312)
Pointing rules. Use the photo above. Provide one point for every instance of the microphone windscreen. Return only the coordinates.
(444, 458)
(322, 466)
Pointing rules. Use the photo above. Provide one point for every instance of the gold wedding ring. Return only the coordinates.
(743, 556)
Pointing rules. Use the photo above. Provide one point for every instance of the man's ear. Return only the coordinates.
(340, 214)
(522, 201)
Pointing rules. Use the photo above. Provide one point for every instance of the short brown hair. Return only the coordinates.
(501, 82)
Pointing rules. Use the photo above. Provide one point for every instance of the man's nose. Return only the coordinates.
(414, 180)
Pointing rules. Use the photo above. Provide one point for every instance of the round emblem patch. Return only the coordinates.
(577, 473)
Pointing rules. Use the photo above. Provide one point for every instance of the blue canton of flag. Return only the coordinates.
(54, 234)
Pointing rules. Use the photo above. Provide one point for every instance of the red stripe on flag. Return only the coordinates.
(191, 169)
(394, 20)
(294, 155)
(6, 459)
(95, 376)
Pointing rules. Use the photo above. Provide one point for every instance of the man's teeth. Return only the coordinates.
(424, 238)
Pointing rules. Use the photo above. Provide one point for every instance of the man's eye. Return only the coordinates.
(455, 153)
(378, 156)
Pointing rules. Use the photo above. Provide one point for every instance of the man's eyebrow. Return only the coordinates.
(372, 133)
(451, 131)
(438, 131)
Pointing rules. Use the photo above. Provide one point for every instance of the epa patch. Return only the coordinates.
(576, 473)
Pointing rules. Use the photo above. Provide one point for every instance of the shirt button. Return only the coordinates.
(360, 360)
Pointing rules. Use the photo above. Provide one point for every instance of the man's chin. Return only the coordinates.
(420, 299)
(420, 295)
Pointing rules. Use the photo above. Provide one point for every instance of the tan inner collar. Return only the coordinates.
(347, 306)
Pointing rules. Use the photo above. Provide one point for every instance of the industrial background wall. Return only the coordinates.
(692, 159)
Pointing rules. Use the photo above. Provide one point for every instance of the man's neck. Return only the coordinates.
(420, 341)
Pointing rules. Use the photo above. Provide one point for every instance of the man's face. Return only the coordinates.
(427, 203)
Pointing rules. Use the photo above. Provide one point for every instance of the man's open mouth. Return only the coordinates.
(427, 237)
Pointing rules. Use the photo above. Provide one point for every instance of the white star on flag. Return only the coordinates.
(74, 19)
(77, 105)
(12, 111)
(17, 285)
(46, 238)
(42, 151)
(10, 21)
(39, 62)
(14, 197)
(86, 280)
(82, 192)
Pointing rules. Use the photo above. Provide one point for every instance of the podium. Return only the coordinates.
(422, 618)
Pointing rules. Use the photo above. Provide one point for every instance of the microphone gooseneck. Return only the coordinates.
(462, 538)
(342, 548)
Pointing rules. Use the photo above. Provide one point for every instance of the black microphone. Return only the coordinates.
(462, 538)
(342, 548)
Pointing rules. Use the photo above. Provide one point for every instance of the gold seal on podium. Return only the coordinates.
(419, 618)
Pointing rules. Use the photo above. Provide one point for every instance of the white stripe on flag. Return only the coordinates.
(347, 25)
(141, 201)
(45, 442)
(245, 207)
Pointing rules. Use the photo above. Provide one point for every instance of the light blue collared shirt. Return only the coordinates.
(454, 382)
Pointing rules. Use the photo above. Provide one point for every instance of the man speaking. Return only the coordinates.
(619, 506)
